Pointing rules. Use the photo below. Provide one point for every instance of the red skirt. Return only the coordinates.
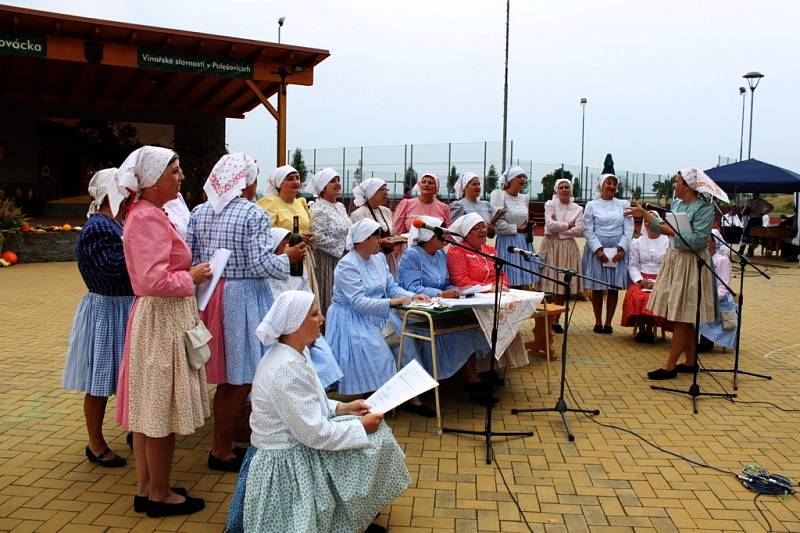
(213, 318)
(635, 303)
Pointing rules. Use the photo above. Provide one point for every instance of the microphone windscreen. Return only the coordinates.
(510, 249)
(418, 223)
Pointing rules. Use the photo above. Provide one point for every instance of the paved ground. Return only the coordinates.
(607, 480)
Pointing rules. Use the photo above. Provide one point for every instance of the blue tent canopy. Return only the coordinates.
(753, 175)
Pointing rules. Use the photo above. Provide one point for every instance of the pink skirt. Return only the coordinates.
(213, 317)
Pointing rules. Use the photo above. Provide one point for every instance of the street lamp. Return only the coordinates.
(583, 128)
(743, 92)
(280, 25)
(505, 89)
(753, 79)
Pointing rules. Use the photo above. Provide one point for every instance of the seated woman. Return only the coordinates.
(423, 269)
(722, 332)
(360, 318)
(315, 465)
(646, 255)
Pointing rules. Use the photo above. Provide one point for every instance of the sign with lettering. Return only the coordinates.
(23, 45)
(177, 62)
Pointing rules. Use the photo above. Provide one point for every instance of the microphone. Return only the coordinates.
(527, 253)
(437, 230)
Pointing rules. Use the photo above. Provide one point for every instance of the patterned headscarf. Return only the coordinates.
(104, 184)
(598, 187)
(463, 180)
(228, 178)
(416, 190)
(320, 180)
(505, 178)
(366, 190)
(699, 181)
(275, 179)
(286, 315)
(464, 224)
(360, 232)
(142, 168)
(420, 235)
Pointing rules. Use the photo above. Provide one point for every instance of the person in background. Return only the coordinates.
(608, 236)
(563, 221)
(722, 332)
(369, 197)
(97, 340)
(731, 225)
(755, 209)
(425, 204)
(468, 192)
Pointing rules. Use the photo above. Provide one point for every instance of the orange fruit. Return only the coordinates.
(10, 256)
(66, 227)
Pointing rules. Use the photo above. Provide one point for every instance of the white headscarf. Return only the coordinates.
(320, 180)
(699, 181)
(505, 178)
(555, 189)
(360, 232)
(598, 187)
(719, 247)
(142, 168)
(286, 315)
(104, 183)
(463, 180)
(416, 190)
(275, 179)
(178, 214)
(278, 234)
(228, 178)
(366, 190)
(420, 235)
(464, 224)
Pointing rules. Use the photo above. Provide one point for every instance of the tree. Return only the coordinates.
(549, 181)
(491, 180)
(608, 165)
(576, 188)
(663, 189)
(299, 164)
(452, 178)
(637, 193)
(357, 173)
(410, 178)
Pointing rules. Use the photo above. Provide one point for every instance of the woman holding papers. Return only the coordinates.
(159, 393)
(360, 318)
(230, 220)
(605, 256)
(369, 197)
(674, 295)
(563, 221)
(316, 465)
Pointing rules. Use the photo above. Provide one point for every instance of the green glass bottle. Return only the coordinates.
(295, 268)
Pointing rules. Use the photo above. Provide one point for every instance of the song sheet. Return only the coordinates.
(206, 289)
(412, 380)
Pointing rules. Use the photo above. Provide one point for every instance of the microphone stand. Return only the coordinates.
(694, 388)
(561, 405)
(743, 263)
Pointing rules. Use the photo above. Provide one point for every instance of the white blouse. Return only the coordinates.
(516, 211)
(290, 407)
(646, 256)
(557, 217)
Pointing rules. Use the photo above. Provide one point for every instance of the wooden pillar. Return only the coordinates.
(282, 125)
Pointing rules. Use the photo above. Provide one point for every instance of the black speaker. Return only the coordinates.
(93, 51)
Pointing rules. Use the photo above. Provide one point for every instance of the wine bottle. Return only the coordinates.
(295, 268)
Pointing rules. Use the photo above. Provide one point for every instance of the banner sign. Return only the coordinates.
(177, 62)
(23, 45)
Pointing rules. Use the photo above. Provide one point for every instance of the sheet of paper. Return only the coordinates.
(206, 289)
(475, 289)
(610, 253)
(679, 221)
(410, 381)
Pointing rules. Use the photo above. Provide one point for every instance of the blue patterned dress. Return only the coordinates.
(97, 339)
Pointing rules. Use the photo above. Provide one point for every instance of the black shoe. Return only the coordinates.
(140, 502)
(375, 528)
(598, 329)
(482, 398)
(129, 440)
(160, 509)
(239, 451)
(421, 410)
(685, 369)
(557, 328)
(705, 346)
(662, 374)
(116, 462)
(492, 377)
(608, 330)
(233, 465)
(650, 337)
(640, 337)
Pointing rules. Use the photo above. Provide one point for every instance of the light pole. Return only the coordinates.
(505, 90)
(583, 129)
(753, 79)
(280, 25)
(743, 92)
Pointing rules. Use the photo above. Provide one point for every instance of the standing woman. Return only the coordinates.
(608, 231)
(329, 225)
(369, 196)
(468, 191)
(563, 221)
(230, 220)
(514, 228)
(159, 393)
(282, 202)
(674, 295)
(425, 204)
(98, 331)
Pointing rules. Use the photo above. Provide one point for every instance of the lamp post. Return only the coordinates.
(743, 92)
(583, 129)
(280, 25)
(505, 90)
(753, 79)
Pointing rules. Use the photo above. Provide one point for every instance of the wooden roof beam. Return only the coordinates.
(263, 99)
(209, 94)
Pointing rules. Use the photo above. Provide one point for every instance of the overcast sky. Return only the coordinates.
(662, 77)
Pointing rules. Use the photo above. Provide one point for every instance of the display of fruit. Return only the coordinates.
(10, 257)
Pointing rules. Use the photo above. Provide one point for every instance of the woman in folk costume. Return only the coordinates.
(425, 204)
(230, 220)
(329, 225)
(321, 354)
(316, 465)
(468, 192)
(514, 228)
(674, 295)
(722, 332)
(282, 201)
(608, 236)
(563, 221)
(369, 197)
(98, 331)
(159, 392)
